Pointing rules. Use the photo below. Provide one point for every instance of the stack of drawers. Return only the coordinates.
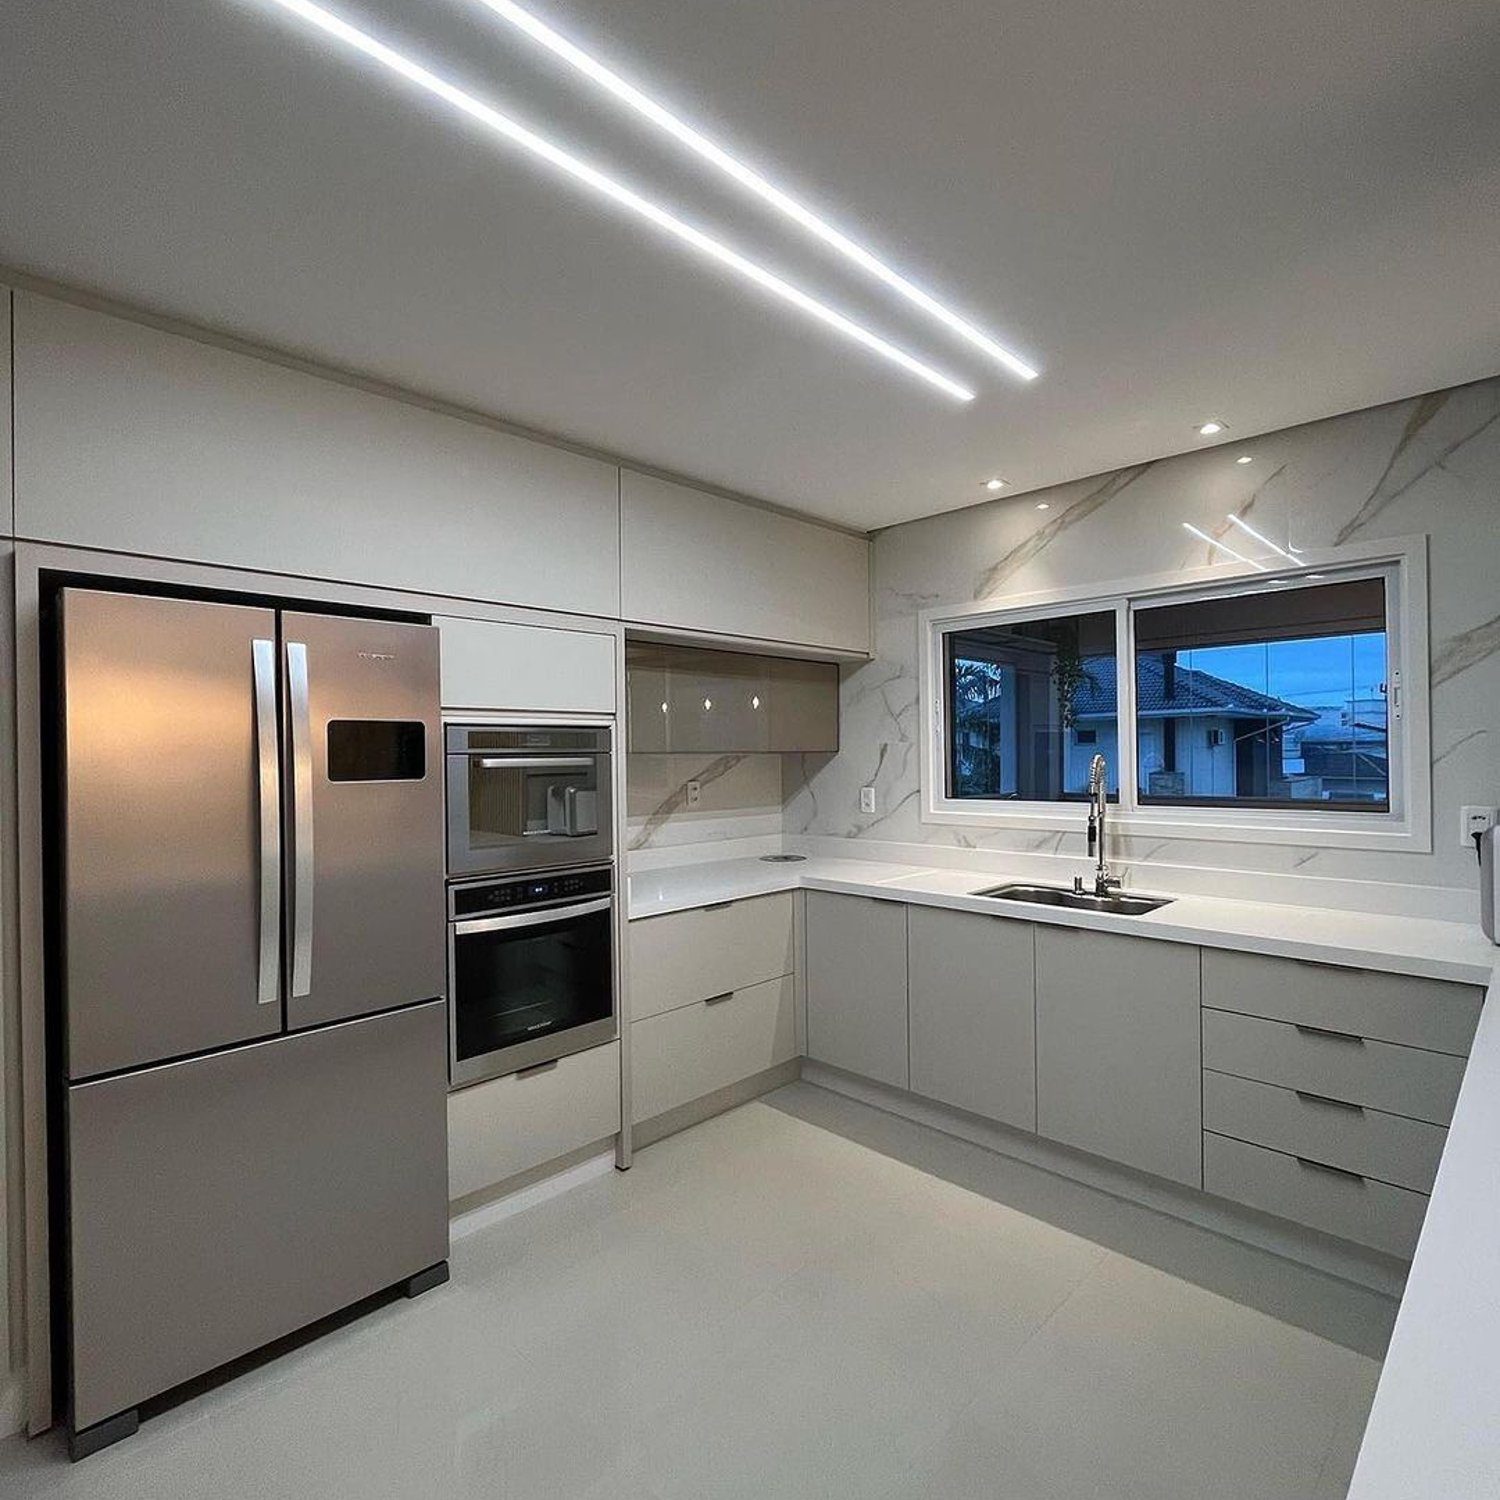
(1327, 1091)
(712, 999)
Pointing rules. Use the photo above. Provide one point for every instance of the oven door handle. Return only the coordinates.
(536, 763)
(532, 918)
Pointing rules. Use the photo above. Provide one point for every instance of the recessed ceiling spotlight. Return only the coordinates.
(1244, 458)
(1044, 505)
(1210, 429)
(747, 177)
(608, 187)
(994, 484)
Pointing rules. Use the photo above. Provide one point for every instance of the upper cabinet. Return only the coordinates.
(682, 698)
(495, 666)
(695, 561)
(136, 440)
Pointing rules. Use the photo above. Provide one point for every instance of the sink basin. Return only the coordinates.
(1058, 895)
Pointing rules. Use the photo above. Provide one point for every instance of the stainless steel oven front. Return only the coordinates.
(527, 797)
(530, 970)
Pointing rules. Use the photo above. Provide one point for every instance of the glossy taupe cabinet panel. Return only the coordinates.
(179, 1264)
(973, 1013)
(1119, 1070)
(141, 441)
(683, 699)
(856, 985)
(696, 561)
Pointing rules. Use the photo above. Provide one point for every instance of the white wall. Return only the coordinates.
(1429, 465)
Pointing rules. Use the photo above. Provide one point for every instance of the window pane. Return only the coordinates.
(1270, 699)
(1030, 704)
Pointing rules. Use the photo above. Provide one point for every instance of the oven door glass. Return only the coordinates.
(526, 812)
(529, 987)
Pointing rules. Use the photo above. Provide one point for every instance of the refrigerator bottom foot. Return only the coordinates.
(424, 1281)
(89, 1440)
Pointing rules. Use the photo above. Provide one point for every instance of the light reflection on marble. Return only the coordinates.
(1430, 465)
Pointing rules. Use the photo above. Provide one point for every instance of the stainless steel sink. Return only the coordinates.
(1059, 895)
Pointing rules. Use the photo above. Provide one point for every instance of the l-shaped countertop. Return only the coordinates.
(1432, 1433)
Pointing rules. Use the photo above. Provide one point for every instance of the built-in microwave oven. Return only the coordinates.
(527, 797)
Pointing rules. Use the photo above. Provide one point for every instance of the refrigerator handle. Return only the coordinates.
(268, 986)
(302, 818)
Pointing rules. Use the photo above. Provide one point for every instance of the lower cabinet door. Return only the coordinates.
(972, 988)
(508, 1125)
(1118, 1056)
(856, 985)
(1342, 1203)
(218, 1203)
(683, 1054)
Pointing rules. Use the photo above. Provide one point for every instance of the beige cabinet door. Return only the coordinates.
(972, 999)
(1118, 1056)
(856, 985)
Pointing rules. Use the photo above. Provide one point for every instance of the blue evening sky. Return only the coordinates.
(1323, 673)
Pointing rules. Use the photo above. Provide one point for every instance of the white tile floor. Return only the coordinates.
(805, 1297)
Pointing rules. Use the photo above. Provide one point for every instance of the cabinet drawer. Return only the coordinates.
(1429, 1013)
(683, 1054)
(509, 1125)
(1388, 1147)
(686, 956)
(1354, 1208)
(1402, 1080)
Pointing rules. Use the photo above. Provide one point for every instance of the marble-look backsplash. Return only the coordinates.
(740, 796)
(1428, 465)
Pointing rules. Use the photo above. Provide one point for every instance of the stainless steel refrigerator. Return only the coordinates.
(249, 903)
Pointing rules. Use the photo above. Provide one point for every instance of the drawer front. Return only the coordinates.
(1397, 1008)
(1354, 1208)
(683, 1054)
(1390, 1148)
(1400, 1080)
(509, 1125)
(686, 956)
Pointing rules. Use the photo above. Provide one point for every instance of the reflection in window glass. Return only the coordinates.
(1030, 704)
(1266, 699)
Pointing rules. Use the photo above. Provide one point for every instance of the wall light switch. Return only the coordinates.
(1474, 820)
(867, 799)
(694, 792)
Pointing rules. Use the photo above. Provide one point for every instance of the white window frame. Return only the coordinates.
(1406, 827)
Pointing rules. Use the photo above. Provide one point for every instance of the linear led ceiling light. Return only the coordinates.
(582, 171)
(1266, 541)
(1237, 556)
(749, 178)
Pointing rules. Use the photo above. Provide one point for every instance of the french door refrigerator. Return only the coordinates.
(253, 1036)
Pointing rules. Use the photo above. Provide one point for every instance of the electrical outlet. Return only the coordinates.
(867, 799)
(1474, 820)
(694, 792)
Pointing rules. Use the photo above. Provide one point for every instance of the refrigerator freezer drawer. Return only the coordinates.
(221, 1202)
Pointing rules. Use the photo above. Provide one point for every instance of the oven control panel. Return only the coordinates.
(483, 897)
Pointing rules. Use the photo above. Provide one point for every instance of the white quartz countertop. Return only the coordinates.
(1402, 945)
(1434, 1431)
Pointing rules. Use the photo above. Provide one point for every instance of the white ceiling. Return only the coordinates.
(1267, 212)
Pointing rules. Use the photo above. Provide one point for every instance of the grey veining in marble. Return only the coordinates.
(1429, 466)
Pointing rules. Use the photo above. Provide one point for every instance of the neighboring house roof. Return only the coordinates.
(1193, 693)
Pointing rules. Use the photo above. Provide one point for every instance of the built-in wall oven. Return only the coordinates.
(531, 890)
(531, 970)
(527, 797)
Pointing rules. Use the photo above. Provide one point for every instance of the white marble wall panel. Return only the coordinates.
(739, 797)
(1428, 465)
